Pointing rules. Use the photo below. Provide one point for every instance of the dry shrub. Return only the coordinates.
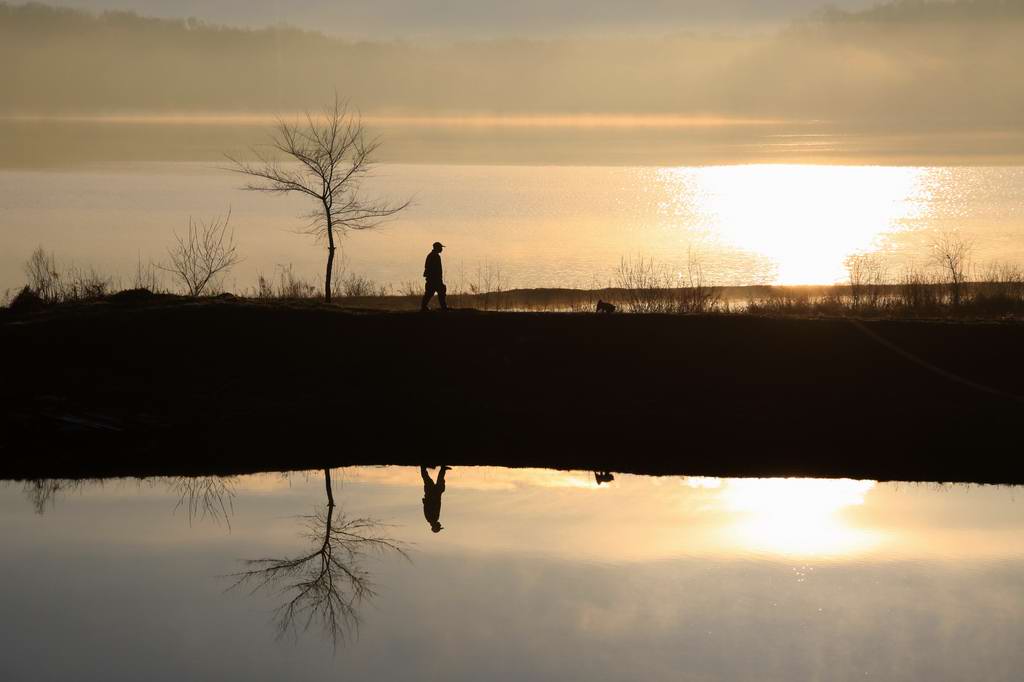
(147, 276)
(698, 296)
(408, 288)
(26, 301)
(84, 284)
(52, 284)
(916, 291)
(487, 284)
(868, 279)
(200, 257)
(359, 286)
(1001, 291)
(782, 301)
(645, 286)
(43, 275)
(287, 285)
(648, 287)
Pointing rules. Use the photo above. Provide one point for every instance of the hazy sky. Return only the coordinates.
(481, 18)
(933, 78)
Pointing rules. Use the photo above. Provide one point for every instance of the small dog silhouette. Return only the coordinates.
(604, 307)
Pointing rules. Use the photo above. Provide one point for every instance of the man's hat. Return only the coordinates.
(438, 244)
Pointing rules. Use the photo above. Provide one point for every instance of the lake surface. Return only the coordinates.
(535, 574)
(537, 225)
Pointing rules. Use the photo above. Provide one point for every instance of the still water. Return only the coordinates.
(534, 574)
(539, 225)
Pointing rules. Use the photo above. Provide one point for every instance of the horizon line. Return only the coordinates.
(584, 120)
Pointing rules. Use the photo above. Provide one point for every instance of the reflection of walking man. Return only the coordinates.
(432, 498)
(435, 280)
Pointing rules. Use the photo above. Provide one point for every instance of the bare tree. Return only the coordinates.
(330, 157)
(327, 584)
(206, 251)
(951, 252)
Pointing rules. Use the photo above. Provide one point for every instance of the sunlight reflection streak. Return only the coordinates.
(779, 212)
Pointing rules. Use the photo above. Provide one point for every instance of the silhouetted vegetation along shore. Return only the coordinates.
(983, 301)
(143, 384)
(921, 300)
(950, 286)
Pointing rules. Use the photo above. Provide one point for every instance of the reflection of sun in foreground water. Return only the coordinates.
(805, 219)
(801, 517)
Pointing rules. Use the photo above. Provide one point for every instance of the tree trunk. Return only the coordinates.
(327, 280)
(327, 484)
(330, 261)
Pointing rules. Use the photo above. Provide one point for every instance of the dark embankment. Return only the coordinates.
(172, 386)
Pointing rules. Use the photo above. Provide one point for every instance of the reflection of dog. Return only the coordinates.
(603, 307)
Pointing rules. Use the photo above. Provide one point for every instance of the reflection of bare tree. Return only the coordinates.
(205, 497)
(326, 585)
(42, 492)
(201, 496)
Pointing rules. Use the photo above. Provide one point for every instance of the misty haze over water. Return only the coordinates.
(918, 76)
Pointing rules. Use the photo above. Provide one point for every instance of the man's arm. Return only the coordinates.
(432, 268)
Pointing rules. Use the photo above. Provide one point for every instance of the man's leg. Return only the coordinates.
(442, 292)
(428, 293)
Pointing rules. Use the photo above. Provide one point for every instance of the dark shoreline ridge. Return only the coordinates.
(175, 386)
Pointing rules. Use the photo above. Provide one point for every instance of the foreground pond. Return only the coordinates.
(533, 574)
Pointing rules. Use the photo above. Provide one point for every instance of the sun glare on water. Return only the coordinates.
(806, 220)
(800, 517)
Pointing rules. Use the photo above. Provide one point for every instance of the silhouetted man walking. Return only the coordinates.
(432, 498)
(435, 280)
